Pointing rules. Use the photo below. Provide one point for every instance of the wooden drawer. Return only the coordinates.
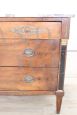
(20, 78)
(31, 53)
(30, 30)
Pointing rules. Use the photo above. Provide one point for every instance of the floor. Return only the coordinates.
(39, 105)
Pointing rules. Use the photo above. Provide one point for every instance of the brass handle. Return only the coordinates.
(29, 52)
(28, 79)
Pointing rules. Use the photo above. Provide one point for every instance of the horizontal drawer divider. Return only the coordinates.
(26, 90)
(39, 20)
(30, 38)
(29, 67)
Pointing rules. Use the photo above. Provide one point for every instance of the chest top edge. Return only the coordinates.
(33, 19)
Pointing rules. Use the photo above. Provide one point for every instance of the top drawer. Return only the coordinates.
(30, 30)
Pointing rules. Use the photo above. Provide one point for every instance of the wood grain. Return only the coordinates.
(12, 78)
(30, 30)
(26, 93)
(43, 36)
(65, 28)
(46, 53)
(59, 96)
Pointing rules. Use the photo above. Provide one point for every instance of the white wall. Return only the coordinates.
(46, 8)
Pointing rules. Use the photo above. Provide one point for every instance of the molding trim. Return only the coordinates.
(64, 41)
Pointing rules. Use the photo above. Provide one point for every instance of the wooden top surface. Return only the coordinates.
(52, 17)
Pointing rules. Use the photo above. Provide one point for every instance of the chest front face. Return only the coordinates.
(30, 54)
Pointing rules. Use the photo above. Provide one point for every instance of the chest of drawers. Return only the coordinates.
(32, 56)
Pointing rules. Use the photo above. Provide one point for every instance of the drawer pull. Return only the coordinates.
(28, 52)
(28, 79)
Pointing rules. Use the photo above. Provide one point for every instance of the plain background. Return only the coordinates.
(46, 8)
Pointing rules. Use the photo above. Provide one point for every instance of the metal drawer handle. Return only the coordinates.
(28, 79)
(28, 52)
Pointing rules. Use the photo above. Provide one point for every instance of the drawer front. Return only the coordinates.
(30, 30)
(31, 53)
(20, 78)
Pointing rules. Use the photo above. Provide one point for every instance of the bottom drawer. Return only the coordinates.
(22, 78)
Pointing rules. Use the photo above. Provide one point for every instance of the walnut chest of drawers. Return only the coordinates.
(32, 56)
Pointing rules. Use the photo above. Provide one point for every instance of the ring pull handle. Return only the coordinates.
(28, 79)
(29, 52)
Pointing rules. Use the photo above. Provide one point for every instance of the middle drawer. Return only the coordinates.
(30, 53)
